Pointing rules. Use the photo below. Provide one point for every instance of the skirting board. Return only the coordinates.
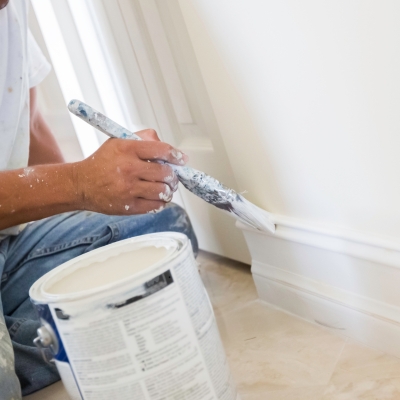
(347, 282)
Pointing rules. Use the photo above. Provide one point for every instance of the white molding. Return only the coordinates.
(374, 332)
(166, 60)
(299, 283)
(383, 250)
(141, 70)
(345, 280)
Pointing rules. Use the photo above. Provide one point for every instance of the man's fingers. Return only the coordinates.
(155, 172)
(143, 206)
(153, 191)
(148, 134)
(160, 151)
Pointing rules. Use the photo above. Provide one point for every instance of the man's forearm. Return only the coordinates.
(33, 193)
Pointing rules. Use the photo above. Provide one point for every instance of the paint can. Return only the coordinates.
(132, 320)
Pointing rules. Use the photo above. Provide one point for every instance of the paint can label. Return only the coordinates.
(158, 341)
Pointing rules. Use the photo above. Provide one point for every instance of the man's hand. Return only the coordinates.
(149, 135)
(123, 176)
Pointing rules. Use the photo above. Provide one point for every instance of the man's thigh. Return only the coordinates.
(46, 244)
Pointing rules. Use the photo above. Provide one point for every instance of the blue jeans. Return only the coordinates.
(40, 247)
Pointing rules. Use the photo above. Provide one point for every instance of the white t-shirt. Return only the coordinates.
(22, 66)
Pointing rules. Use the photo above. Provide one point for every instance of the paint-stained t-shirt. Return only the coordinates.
(22, 66)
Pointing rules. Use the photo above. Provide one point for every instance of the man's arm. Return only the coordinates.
(34, 193)
(117, 179)
(43, 146)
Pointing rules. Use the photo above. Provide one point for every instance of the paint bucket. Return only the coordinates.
(132, 320)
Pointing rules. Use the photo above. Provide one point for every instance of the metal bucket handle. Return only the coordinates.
(46, 340)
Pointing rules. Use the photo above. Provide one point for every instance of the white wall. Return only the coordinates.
(307, 97)
(309, 105)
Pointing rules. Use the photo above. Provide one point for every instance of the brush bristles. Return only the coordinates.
(217, 194)
(253, 215)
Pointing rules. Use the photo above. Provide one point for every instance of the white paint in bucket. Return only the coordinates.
(141, 327)
(100, 274)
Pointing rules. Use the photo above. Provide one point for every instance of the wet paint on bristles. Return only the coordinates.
(214, 192)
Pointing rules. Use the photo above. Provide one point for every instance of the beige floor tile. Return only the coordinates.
(229, 283)
(307, 393)
(270, 350)
(52, 392)
(364, 373)
(368, 362)
(347, 385)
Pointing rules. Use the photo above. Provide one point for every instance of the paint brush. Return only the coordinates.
(197, 182)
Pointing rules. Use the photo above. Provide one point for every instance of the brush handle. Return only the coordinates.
(100, 121)
(106, 125)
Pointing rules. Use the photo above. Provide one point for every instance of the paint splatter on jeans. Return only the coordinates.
(39, 248)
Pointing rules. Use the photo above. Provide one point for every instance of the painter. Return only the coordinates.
(77, 207)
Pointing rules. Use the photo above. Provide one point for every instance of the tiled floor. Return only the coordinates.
(276, 356)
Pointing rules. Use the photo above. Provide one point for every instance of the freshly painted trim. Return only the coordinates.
(382, 250)
(299, 283)
(373, 331)
(368, 316)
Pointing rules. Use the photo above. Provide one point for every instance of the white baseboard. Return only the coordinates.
(349, 282)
